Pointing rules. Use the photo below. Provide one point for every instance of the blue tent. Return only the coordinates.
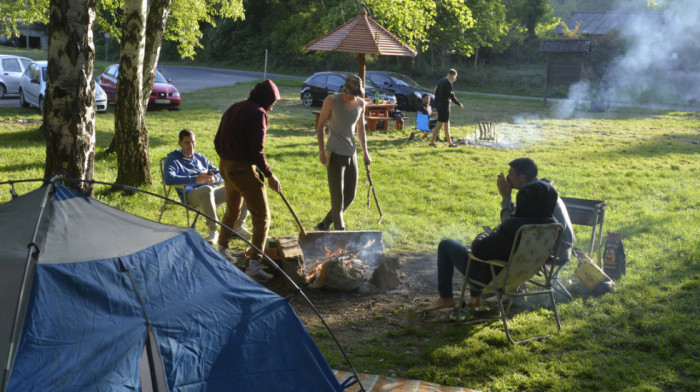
(97, 299)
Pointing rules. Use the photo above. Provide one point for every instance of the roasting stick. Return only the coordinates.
(301, 227)
(374, 193)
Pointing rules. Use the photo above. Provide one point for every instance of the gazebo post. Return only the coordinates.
(361, 68)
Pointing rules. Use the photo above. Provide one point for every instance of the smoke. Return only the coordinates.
(525, 130)
(660, 64)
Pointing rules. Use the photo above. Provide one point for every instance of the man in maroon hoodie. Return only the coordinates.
(239, 142)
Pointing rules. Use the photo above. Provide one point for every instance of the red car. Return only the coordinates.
(163, 96)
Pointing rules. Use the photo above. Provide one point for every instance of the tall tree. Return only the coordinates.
(130, 136)
(69, 111)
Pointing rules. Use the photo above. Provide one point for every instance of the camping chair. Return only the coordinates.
(486, 131)
(166, 193)
(422, 124)
(530, 261)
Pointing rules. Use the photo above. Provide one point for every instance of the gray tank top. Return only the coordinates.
(341, 126)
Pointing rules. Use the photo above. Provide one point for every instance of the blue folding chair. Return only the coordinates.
(423, 124)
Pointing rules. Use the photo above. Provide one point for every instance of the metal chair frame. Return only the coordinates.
(486, 131)
(511, 277)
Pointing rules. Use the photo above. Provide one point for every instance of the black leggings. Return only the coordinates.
(342, 183)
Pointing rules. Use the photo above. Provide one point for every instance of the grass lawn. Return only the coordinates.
(644, 164)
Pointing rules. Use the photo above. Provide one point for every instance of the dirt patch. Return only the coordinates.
(369, 311)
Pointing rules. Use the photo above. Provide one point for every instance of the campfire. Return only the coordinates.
(339, 269)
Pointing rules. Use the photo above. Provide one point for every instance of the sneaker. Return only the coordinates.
(256, 272)
(213, 237)
(243, 232)
(227, 255)
(432, 145)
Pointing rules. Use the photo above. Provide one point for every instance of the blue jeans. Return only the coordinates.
(451, 255)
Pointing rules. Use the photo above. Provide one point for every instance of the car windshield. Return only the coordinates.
(160, 78)
(405, 80)
(370, 84)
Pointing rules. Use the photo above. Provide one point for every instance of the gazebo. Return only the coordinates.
(362, 35)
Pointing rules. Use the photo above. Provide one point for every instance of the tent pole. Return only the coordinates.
(32, 254)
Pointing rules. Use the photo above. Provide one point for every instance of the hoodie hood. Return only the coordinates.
(265, 94)
(537, 199)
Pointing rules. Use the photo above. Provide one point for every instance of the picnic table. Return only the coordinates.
(374, 113)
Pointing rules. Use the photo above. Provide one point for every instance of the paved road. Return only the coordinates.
(188, 79)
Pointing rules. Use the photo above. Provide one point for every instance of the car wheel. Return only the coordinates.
(22, 102)
(307, 99)
(401, 102)
(3, 90)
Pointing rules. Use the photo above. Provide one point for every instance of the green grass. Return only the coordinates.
(644, 164)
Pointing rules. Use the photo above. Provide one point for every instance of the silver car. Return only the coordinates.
(32, 88)
(11, 70)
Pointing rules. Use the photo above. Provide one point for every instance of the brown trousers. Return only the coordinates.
(243, 182)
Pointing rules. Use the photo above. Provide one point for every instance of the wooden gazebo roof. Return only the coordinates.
(362, 35)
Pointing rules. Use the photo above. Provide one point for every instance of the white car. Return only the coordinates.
(11, 69)
(32, 88)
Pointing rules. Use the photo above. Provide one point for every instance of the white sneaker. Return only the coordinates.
(256, 272)
(227, 255)
(243, 232)
(213, 237)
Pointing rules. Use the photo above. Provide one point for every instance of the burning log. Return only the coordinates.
(337, 274)
(339, 270)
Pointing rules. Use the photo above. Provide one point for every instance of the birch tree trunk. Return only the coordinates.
(69, 110)
(130, 136)
(155, 28)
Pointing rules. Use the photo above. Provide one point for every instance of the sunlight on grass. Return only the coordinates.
(644, 164)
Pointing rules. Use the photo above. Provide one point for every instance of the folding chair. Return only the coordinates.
(486, 131)
(423, 124)
(530, 261)
(166, 193)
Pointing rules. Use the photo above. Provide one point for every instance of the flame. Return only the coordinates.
(330, 253)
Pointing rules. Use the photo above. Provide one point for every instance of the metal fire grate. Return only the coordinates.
(588, 213)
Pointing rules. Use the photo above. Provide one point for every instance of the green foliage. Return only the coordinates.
(27, 11)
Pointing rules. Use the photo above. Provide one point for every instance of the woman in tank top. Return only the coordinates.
(344, 112)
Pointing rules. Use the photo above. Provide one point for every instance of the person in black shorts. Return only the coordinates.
(443, 95)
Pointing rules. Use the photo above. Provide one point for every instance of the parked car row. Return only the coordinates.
(390, 87)
(23, 76)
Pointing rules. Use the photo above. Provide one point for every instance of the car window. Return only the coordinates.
(405, 80)
(335, 81)
(25, 62)
(112, 71)
(28, 71)
(319, 80)
(160, 78)
(35, 73)
(380, 80)
(11, 65)
(43, 73)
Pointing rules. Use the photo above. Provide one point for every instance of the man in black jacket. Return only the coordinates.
(535, 205)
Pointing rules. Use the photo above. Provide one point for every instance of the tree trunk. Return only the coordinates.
(69, 110)
(131, 138)
(155, 27)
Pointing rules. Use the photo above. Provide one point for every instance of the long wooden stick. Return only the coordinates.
(301, 227)
(374, 193)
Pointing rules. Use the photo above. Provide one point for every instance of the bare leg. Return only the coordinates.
(448, 139)
(436, 131)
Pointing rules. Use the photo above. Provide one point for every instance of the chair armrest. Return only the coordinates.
(497, 263)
